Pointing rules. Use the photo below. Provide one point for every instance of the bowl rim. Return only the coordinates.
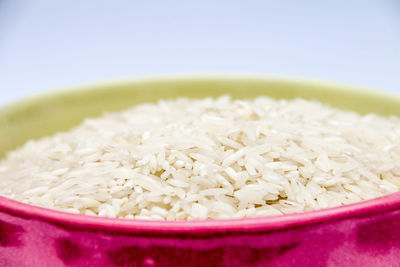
(361, 209)
(69, 220)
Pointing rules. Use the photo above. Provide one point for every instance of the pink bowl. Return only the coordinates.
(361, 234)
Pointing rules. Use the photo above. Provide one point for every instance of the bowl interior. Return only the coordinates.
(52, 112)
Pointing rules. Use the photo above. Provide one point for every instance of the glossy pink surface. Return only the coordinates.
(362, 234)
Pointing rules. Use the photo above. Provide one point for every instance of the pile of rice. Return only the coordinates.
(209, 158)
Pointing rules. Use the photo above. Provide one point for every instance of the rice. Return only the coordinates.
(188, 159)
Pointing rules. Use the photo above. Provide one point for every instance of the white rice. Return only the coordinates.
(209, 159)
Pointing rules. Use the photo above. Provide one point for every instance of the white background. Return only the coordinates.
(46, 45)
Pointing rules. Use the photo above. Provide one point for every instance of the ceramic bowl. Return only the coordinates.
(361, 234)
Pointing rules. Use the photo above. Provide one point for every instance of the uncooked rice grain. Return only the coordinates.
(188, 159)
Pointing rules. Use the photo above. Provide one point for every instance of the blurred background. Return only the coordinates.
(47, 44)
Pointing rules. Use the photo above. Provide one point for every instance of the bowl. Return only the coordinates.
(362, 234)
